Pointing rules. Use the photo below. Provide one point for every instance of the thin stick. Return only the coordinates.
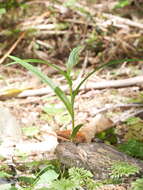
(134, 81)
(125, 116)
(111, 107)
(12, 47)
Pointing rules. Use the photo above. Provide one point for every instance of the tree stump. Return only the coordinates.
(96, 157)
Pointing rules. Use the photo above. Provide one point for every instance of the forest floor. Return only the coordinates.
(49, 30)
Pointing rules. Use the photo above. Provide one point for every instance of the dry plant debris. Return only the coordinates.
(112, 187)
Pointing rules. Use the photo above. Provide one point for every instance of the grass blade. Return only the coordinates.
(64, 99)
(67, 77)
(73, 58)
(34, 70)
(46, 80)
(75, 131)
(102, 66)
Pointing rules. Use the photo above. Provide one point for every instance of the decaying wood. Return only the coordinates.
(96, 157)
(134, 81)
(98, 124)
(86, 133)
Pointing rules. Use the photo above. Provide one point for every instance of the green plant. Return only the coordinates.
(52, 178)
(77, 179)
(56, 113)
(137, 185)
(123, 169)
(83, 178)
(133, 148)
(108, 136)
(63, 184)
(9, 4)
(133, 120)
(72, 61)
(2, 11)
(122, 3)
(30, 131)
(46, 178)
(134, 127)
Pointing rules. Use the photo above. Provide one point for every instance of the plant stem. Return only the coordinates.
(72, 104)
(73, 116)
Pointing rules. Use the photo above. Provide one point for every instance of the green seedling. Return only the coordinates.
(137, 185)
(123, 169)
(122, 3)
(73, 92)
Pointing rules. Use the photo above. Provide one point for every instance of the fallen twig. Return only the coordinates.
(117, 21)
(12, 47)
(135, 81)
(111, 107)
(127, 115)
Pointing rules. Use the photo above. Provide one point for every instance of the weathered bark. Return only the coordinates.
(96, 157)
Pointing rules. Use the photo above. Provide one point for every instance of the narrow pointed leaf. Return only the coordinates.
(34, 70)
(73, 58)
(75, 131)
(67, 77)
(64, 99)
(12, 63)
(46, 80)
(102, 66)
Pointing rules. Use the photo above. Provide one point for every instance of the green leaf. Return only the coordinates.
(64, 184)
(75, 131)
(4, 174)
(46, 80)
(67, 77)
(45, 62)
(63, 119)
(2, 11)
(137, 185)
(47, 177)
(51, 65)
(64, 99)
(103, 66)
(30, 131)
(34, 70)
(52, 110)
(73, 58)
(27, 180)
(70, 3)
(133, 148)
(122, 3)
(123, 169)
(133, 120)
